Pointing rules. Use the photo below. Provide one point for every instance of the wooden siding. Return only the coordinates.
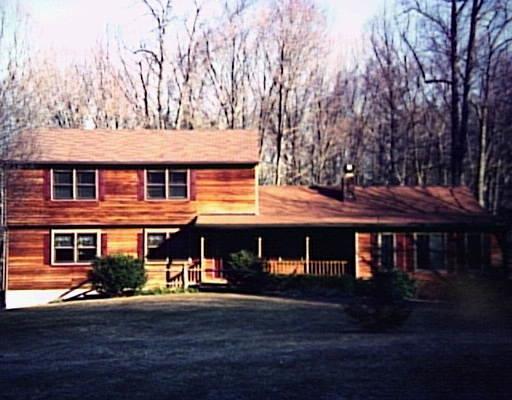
(225, 191)
(456, 257)
(217, 191)
(364, 255)
(29, 265)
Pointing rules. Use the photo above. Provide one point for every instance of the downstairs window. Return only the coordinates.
(430, 251)
(167, 245)
(75, 247)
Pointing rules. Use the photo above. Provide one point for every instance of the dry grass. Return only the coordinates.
(212, 346)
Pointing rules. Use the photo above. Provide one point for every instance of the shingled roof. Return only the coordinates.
(142, 146)
(397, 206)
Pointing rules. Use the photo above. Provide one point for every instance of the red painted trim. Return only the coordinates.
(192, 185)
(46, 249)
(101, 184)
(140, 246)
(104, 247)
(400, 251)
(46, 184)
(409, 252)
(140, 184)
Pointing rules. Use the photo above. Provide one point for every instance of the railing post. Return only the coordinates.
(202, 253)
(307, 254)
(185, 276)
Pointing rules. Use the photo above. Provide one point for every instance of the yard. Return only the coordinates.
(220, 346)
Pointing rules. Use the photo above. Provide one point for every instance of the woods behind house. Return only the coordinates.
(426, 100)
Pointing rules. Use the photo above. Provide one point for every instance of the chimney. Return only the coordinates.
(348, 183)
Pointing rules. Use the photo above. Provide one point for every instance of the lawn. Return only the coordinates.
(221, 346)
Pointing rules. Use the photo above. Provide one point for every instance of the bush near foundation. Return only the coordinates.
(245, 272)
(381, 303)
(117, 275)
(387, 286)
(312, 285)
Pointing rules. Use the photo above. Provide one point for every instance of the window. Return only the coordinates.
(74, 184)
(178, 184)
(157, 246)
(387, 254)
(166, 184)
(383, 250)
(165, 245)
(70, 247)
(156, 184)
(475, 251)
(430, 251)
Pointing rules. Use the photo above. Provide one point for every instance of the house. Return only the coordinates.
(189, 198)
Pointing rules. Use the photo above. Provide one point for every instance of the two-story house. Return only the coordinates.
(170, 197)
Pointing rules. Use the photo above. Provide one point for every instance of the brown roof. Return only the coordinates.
(378, 205)
(142, 146)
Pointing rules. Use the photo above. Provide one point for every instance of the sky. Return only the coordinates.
(74, 26)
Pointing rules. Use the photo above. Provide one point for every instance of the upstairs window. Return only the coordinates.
(72, 247)
(74, 184)
(162, 184)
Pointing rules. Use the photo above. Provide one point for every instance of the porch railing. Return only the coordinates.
(303, 267)
(175, 275)
(184, 275)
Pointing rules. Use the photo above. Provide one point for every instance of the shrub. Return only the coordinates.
(157, 291)
(390, 286)
(117, 275)
(387, 286)
(382, 304)
(246, 272)
(312, 285)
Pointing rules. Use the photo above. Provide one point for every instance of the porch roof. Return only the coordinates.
(397, 206)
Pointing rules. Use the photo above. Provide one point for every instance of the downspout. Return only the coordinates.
(356, 255)
(3, 227)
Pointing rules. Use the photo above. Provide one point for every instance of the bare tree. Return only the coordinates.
(16, 108)
(289, 39)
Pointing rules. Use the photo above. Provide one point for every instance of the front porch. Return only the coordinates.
(327, 252)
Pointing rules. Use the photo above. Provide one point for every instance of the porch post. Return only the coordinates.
(307, 254)
(260, 247)
(202, 253)
(185, 276)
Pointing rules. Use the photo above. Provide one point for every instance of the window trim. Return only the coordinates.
(168, 232)
(75, 233)
(75, 184)
(445, 255)
(166, 184)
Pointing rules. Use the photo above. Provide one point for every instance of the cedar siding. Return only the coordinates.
(456, 257)
(29, 258)
(222, 191)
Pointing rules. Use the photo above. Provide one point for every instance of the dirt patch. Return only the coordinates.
(221, 346)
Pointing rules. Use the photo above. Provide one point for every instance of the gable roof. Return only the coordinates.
(397, 206)
(143, 146)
